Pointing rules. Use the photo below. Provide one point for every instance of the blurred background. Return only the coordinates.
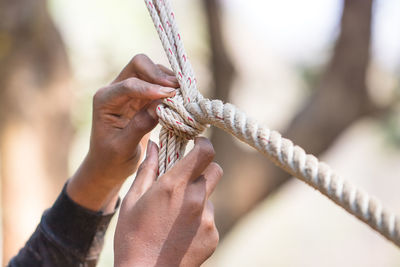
(326, 74)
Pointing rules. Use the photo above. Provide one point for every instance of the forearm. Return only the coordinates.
(68, 235)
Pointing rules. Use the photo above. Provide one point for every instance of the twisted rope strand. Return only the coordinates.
(295, 161)
(187, 114)
(173, 111)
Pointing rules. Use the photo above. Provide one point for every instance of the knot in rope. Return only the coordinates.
(174, 116)
(186, 115)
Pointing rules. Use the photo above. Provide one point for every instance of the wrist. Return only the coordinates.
(91, 189)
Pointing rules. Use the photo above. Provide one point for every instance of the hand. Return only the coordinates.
(123, 115)
(169, 221)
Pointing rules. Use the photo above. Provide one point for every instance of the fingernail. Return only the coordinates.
(167, 90)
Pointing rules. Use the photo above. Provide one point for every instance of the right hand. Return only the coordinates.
(169, 221)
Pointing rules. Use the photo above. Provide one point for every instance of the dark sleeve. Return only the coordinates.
(68, 235)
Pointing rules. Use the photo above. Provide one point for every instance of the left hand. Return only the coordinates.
(123, 115)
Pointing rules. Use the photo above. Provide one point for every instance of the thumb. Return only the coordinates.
(142, 123)
(146, 174)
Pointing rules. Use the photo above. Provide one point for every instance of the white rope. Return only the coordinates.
(187, 114)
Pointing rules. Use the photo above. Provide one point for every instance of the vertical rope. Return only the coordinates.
(173, 143)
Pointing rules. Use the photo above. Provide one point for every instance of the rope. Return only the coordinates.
(188, 113)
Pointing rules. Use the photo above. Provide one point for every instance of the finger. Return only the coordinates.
(208, 214)
(136, 89)
(147, 172)
(151, 108)
(208, 223)
(170, 75)
(142, 123)
(200, 190)
(153, 73)
(195, 198)
(212, 175)
(208, 227)
(142, 67)
(166, 70)
(194, 163)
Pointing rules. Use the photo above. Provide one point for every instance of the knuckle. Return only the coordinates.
(218, 171)
(138, 59)
(99, 94)
(211, 231)
(214, 238)
(129, 83)
(171, 185)
(167, 186)
(209, 224)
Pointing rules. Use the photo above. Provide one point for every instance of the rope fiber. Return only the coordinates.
(187, 114)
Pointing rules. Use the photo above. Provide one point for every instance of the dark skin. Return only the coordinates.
(169, 221)
(164, 222)
(123, 115)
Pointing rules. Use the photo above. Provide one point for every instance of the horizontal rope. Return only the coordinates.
(295, 161)
(187, 114)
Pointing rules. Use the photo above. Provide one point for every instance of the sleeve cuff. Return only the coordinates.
(74, 227)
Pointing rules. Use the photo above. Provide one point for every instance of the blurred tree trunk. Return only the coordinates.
(35, 128)
(339, 99)
(222, 67)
